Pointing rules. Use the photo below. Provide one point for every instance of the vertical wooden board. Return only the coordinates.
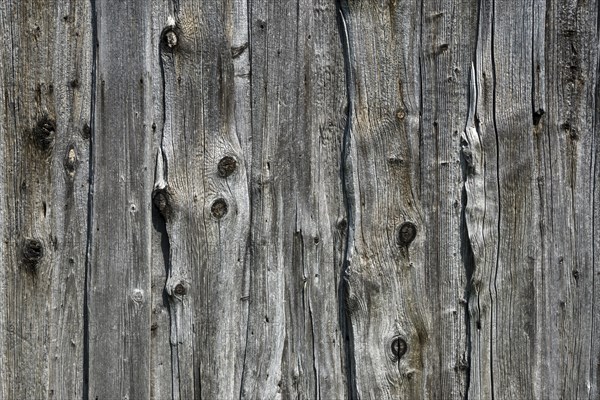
(385, 269)
(568, 152)
(45, 64)
(503, 214)
(512, 325)
(482, 204)
(294, 340)
(448, 35)
(161, 386)
(202, 192)
(410, 104)
(119, 266)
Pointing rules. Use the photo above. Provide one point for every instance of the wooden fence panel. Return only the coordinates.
(118, 298)
(45, 61)
(202, 192)
(295, 344)
(299, 199)
(567, 139)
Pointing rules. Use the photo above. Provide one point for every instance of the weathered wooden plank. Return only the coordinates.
(482, 208)
(161, 386)
(447, 47)
(501, 196)
(567, 152)
(300, 145)
(45, 83)
(202, 191)
(388, 305)
(530, 201)
(294, 340)
(123, 153)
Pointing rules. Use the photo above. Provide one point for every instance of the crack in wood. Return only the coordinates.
(346, 172)
(88, 133)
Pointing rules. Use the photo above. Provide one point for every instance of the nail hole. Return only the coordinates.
(537, 116)
(86, 131)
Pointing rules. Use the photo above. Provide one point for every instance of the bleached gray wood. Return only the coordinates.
(531, 202)
(161, 385)
(447, 46)
(119, 298)
(567, 149)
(294, 339)
(409, 104)
(206, 210)
(45, 67)
(474, 120)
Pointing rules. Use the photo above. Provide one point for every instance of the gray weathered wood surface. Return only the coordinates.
(299, 199)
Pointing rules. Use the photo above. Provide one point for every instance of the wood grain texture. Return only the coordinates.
(386, 279)
(118, 308)
(161, 385)
(531, 201)
(216, 199)
(567, 145)
(205, 203)
(45, 85)
(447, 47)
(294, 341)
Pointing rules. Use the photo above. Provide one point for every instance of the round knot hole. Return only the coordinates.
(226, 166)
(43, 133)
(407, 233)
(179, 289)
(170, 38)
(219, 208)
(33, 251)
(399, 347)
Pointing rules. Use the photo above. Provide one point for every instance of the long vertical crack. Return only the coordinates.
(162, 201)
(470, 166)
(90, 205)
(348, 189)
(495, 308)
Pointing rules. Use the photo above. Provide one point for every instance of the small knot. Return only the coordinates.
(219, 208)
(43, 133)
(170, 39)
(32, 252)
(226, 166)
(399, 347)
(180, 289)
(137, 295)
(407, 233)
(70, 162)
